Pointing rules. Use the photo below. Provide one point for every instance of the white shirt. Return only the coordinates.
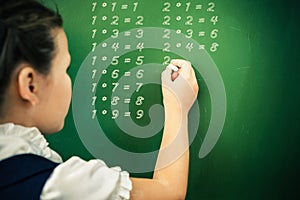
(73, 179)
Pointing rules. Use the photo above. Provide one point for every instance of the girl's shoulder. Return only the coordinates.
(91, 178)
(23, 176)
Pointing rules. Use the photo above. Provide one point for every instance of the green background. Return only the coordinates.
(257, 155)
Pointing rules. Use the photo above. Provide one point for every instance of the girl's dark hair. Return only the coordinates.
(25, 36)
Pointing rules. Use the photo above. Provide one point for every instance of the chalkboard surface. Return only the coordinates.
(244, 127)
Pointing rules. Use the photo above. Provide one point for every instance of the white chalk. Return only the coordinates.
(173, 67)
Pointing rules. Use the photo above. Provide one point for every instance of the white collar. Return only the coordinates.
(16, 139)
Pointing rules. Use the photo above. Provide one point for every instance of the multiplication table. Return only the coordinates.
(117, 98)
(124, 23)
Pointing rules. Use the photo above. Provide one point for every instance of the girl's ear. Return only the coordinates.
(28, 84)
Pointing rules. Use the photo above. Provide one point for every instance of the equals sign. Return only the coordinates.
(127, 101)
(127, 20)
(127, 74)
(201, 20)
(198, 7)
(201, 33)
(126, 87)
(127, 60)
(201, 46)
(127, 47)
(124, 7)
(127, 33)
(127, 114)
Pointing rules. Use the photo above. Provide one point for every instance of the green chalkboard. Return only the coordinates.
(244, 126)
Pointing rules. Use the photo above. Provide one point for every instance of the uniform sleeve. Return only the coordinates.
(92, 180)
